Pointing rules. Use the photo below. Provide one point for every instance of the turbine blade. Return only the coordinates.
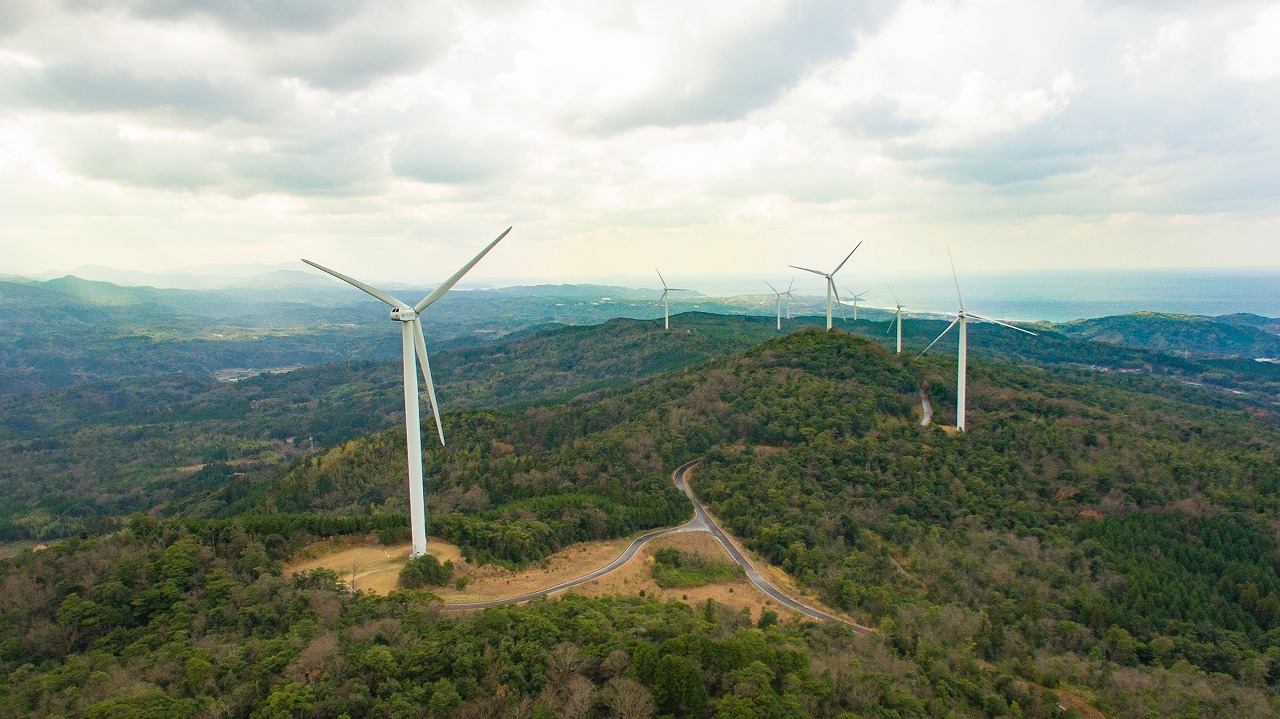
(935, 339)
(839, 302)
(806, 269)
(421, 344)
(660, 277)
(791, 286)
(776, 292)
(360, 285)
(1002, 324)
(679, 289)
(891, 294)
(846, 258)
(955, 277)
(438, 292)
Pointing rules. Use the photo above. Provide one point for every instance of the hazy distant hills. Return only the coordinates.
(67, 331)
(1238, 335)
(197, 277)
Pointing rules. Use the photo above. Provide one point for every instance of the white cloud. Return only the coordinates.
(609, 131)
(1170, 42)
(1253, 51)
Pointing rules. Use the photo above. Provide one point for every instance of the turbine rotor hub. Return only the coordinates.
(403, 315)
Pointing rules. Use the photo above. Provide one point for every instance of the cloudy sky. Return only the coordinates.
(394, 138)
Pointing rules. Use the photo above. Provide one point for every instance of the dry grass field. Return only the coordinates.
(376, 567)
(370, 565)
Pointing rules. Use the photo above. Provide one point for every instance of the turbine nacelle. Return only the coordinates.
(403, 314)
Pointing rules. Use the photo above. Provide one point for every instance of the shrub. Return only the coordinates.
(425, 571)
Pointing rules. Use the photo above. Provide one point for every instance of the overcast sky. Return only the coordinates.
(393, 139)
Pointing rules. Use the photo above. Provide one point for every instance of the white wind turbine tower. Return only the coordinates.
(898, 319)
(831, 283)
(963, 359)
(779, 296)
(855, 301)
(412, 344)
(666, 312)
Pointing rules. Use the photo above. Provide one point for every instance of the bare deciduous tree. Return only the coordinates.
(629, 699)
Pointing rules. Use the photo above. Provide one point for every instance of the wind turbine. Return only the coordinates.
(412, 344)
(855, 301)
(963, 359)
(898, 319)
(666, 312)
(779, 297)
(831, 283)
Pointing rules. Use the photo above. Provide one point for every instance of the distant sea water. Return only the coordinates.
(1054, 296)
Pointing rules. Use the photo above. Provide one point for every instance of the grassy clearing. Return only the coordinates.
(673, 568)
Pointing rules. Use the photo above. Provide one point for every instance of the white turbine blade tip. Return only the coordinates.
(368, 289)
(1002, 324)
(448, 284)
(846, 258)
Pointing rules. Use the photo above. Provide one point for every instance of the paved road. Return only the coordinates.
(701, 522)
(693, 525)
(756, 578)
(926, 409)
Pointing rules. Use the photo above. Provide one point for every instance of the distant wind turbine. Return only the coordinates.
(831, 283)
(666, 312)
(779, 296)
(898, 321)
(855, 301)
(413, 344)
(963, 359)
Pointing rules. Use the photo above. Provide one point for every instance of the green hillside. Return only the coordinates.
(1076, 522)
(1084, 533)
(1229, 336)
(76, 457)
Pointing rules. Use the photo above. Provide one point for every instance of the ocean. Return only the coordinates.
(1053, 296)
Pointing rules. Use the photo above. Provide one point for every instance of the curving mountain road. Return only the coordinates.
(693, 525)
(756, 578)
(701, 522)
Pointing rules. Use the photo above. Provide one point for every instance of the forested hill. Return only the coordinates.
(1088, 531)
(75, 457)
(1242, 335)
(1085, 520)
(582, 467)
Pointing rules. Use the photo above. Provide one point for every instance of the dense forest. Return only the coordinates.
(1239, 335)
(164, 622)
(1107, 533)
